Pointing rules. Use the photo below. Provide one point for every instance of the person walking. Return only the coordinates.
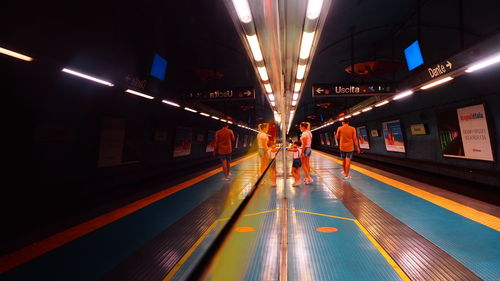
(348, 141)
(306, 140)
(262, 142)
(224, 139)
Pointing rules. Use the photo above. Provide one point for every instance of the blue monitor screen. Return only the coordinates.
(159, 67)
(413, 56)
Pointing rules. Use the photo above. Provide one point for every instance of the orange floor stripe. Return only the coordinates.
(41, 247)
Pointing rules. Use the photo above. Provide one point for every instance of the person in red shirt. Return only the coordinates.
(348, 141)
(224, 139)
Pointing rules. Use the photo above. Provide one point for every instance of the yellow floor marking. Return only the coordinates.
(57, 240)
(323, 215)
(186, 256)
(386, 256)
(463, 210)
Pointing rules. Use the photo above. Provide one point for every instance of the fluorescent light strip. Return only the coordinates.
(216, 118)
(190, 109)
(341, 118)
(382, 103)
(271, 97)
(356, 113)
(438, 82)
(294, 103)
(306, 44)
(139, 94)
(243, 10)
(263, 73)
(253, 41)
(314, 8)
(367, 109)
(403, 95)
(301, 70)
(223, 120)
(170, 103)
(484, 63)
(81, 75)
(15, 55)
(297, 87)
(295, 96)
(347, 117)
(268, 87)
(204, 114)
(229, 122)
(273, 103)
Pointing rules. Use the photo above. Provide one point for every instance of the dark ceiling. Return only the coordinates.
(382, 29)
(113, 39)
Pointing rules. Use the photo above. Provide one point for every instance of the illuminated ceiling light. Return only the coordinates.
(263, 73)
(438, 82)
(356, 113)
(484, 63)
(301, 70)
(382, 103)
(314, 8)
(294, 103)
(271, 97)
(402, 95)
(84, 76)
(243, 10)
(306, 44)
(204, 114)
(341, 118)
(139, 94)
(253, 41)
(216, 118)
(367, 109)
(268, 88)
(15, 54)
(297, 87)
(230, 122)
(190, 109)
(273, 103)
(347, 117)
(223, 120)
(295, 96)
(170, 103)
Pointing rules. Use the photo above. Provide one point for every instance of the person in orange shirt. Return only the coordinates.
(348, 140)
(224, 139)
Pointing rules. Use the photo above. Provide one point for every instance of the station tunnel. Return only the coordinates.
(301, 140)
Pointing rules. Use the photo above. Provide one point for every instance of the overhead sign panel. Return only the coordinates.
(342, 89)
(230, 94)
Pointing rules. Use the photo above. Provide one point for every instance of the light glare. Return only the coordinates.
(84, 76)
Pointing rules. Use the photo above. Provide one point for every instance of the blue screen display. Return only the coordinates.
(413, 56)
(159, 67)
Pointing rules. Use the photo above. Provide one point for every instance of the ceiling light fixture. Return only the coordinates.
(88, 77)
(170, 103)
(253, 41)
(301, 70)
(367, 109)
(438, 82)
(139, 94)
(295, 96)
(190, 109)
(263, 73)
(268, 87)
(271, 97)
(15, 54)
(382, 103)
(403, 95)
(306, 44)
(484, 63)
(243, 10)
(297, 87)
(314, 9)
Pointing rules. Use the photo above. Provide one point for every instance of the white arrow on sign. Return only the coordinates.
(448, 64)
(319, 90)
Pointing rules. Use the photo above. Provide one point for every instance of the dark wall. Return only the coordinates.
(423, 151)
(52, 142)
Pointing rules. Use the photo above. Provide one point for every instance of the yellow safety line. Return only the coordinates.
(387, 257)
(186, 256)
(57, 240)
(324, 215)
(463, 210)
